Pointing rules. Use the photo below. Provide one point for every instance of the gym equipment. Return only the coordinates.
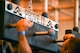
(76, 19)
(21, 12)
(76, 32)
(10, 13)
(15, 1)
(76, 13)
(45, 14)
(76, 29)
(50, 32)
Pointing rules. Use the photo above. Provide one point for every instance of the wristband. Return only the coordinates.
(21, 33)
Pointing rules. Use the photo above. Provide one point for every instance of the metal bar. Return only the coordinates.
(46, 6)
(76, 12)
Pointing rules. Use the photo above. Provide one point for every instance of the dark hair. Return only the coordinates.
(73, 45)
(68, 31)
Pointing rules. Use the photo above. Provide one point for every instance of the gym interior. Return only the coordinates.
(63, 16)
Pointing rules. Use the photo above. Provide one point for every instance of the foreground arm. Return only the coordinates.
(23, 44)
(21, 26)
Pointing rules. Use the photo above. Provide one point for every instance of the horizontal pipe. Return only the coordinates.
(10, 26)
(41, 33)
(50, 32)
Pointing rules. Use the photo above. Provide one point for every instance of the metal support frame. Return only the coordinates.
(46, 6)
(76, 13)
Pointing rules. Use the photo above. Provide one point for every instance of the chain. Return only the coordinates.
(30, 5)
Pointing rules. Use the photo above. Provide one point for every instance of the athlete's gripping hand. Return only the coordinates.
(23, 24)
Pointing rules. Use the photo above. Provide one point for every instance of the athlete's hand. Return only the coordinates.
(23, 24)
